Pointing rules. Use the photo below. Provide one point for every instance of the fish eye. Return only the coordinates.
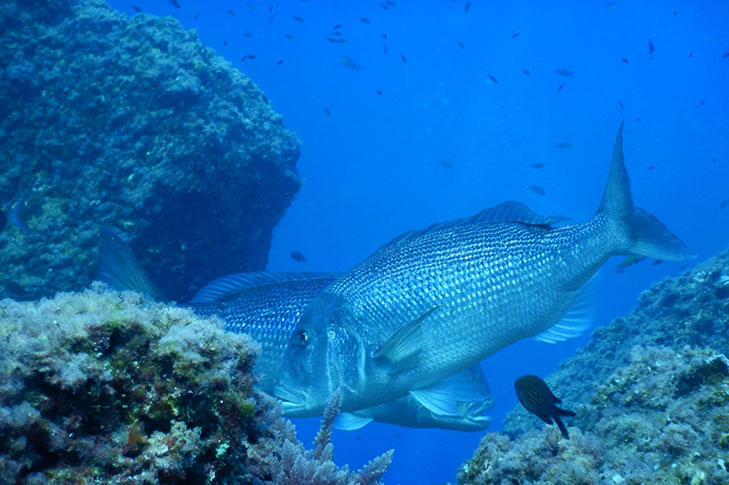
(302, 337)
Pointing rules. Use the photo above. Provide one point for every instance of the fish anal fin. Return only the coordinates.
(578, 318)
(350, 421)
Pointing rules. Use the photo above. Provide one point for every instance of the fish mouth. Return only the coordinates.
(292, 399)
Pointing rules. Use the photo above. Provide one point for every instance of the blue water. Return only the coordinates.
(372, 169)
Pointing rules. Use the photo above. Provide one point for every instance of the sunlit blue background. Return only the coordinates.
(373, 168)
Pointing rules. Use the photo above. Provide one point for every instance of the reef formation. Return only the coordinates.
(132, 123)
(106, 387)
(651, 393)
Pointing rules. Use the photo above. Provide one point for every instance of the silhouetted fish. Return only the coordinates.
(515, 35)
(564, 72)
(349, 63)
(493, 80)
(535, 396)
(326, 110)
(537, 165)
(365, 20)
(538, 190)
(467, 6)
(564, 144)
(725, 55)
(298, 19)
(527, 72)
(136, 9)
(445, 163)
(559, 88)
(404, 59)
(231, 13)
(625, 61)
(298, 256)
(461, 44)
(651, 49)
(175, 4)
(722, 205)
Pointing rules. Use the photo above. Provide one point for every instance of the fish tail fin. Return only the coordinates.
(640, 233)
(118, 267)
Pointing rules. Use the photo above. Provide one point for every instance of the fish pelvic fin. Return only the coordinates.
(646, 235)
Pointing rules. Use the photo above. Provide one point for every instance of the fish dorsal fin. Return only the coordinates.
(578, 318)
(508, 211)
(351, 422)
(446, 397)
(404, 344)
(228, 286)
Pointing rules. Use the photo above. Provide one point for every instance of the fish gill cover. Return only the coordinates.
(132, 123)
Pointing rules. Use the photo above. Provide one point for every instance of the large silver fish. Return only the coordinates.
(267, 306)
(434, 302)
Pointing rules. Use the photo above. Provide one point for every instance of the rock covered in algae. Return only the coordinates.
(105, 387)
(651, 393)
(132, 123)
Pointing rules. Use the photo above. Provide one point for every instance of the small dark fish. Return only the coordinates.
(625, 60)
(17, 215)
(247, 56)
(358, 437)
(271, 19)
(298, 19)
(535, 396)
(446, 164)
(538, 190)
(338, 34)
(725, 55)
(622, 106)
(136, 9)
(349, 63)
(298, 256)
(249, 6)
(197, 15)
(559, 88)
(404, 59)
(651, 49)
(527, 72)
(289, 36)
(713, 159)
(691, 54)
(564, 72)
(651, 167)
(564, 144)
(722, 205)
(609, 4)
(467, 6)
(365, 20)
(327, 111)
(384, 36)
(537, 165)
(175, 4)
(675, 12)
(385, 6)
(231, 13)
(337, 27)
(657, 262)
(515, 35)
(280, 62)
(637, 119)
(379, 92)
(493, 79)
(390, 3)
(247, 34)
(461, 45)
(384, 48)
(701, 102)
(225, 43)
(336, 41)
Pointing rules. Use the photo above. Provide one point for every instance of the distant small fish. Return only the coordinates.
(384, 48)
(515, 35)
(247, 33)
(691, 54)
(527, 72)
(622, 106)
(537, 398)
(385, 6)
(637, 119)
(722, 205)
(461, 45)
(492, 80)
(538, 190)
(247, 56)
(564, 72)
(280, 62)
(231, 13)
(327, 111)
(725, 55)
(337, 27)
(625, 60)
(446, 164)
(701, 102)
(537, 165)
(651, 49)
(384, 36)
(175, 4)
(197, 14)
(289, 36)
(467, 6)
(403, 58)
(559, 88)
(338, 34)
(249, 6)
(365, 20)
(650, 167)
(713, 159)
(298, 19)
(298, 256)
(225, 43)
(271, 18)
(348, 62)
(336, 41)
(379, 92)
(609, 4)
(390, 3)
(564, 144)
(136, 9)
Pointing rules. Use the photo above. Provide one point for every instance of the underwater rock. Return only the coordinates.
(650, 391)
(105, 387)
(660, 419)
(132, 123)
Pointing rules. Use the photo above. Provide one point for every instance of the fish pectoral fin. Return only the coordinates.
(404, 344)
(351, 421)
(578, 318)
(446, 397)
